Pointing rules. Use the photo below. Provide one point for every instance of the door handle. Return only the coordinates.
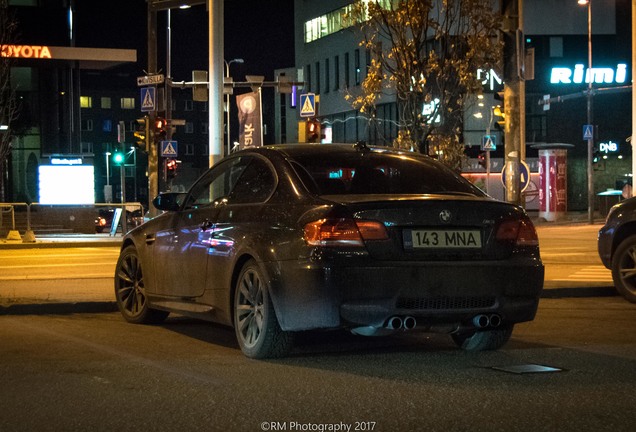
(150, 239)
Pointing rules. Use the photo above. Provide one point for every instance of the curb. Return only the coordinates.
(58, 308)
(60, 244)
(555, 293)
(111, 306)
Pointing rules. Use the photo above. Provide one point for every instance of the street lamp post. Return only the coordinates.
(590, 139)
(227, 102)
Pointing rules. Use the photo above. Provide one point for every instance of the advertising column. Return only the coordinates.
(553, 183)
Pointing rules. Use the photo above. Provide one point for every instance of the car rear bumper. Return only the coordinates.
(324, 296)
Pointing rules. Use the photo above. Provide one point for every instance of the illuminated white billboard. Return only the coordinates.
(66, 184)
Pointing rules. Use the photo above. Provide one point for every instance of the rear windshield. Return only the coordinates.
(355, 173)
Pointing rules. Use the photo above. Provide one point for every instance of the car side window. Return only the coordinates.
(255, 185)
(217, 183)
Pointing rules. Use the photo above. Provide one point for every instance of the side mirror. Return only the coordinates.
(170, 201)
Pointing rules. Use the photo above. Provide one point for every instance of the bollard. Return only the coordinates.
(29, 235)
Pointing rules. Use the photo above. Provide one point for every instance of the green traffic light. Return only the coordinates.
(118, 158)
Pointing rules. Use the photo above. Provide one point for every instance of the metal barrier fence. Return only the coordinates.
(71, 218)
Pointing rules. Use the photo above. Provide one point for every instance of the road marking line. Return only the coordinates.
(109, 263)
(592, 274)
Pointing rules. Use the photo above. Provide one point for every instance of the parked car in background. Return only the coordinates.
(617, 247)
(279, 239)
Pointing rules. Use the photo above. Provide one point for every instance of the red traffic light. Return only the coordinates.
(313, 131)
(161, 126)
(482, 160)
(171, 168)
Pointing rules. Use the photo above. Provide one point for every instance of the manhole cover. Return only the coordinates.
(527, 368)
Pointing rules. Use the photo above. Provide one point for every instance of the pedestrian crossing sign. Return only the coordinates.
(588, 132)
(489, 142)
(168, 149)
(148, 99)
(308, 105)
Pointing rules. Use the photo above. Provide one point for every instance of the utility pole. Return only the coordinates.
(514, 97)
(153, 157)
(216, 63)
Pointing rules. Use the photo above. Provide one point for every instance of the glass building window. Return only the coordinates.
(127, 103)
(347, 69)
(334, 21)
(327, 75)
(86, 147)
(106, 103)
(86, 102)
(336, 73)
(356, 59)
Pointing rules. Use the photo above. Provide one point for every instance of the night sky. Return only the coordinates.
(260, 32)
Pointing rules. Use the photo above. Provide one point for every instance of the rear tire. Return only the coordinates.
(624, 268)
(483, 340)
(257, 330)
(130, 290)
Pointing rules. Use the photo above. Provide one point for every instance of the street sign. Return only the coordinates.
(148, 99)
(489, 142)
(169, 149)
(546, 102)
(308, 105)
(150, 80)
(524, 176)
(588, 132)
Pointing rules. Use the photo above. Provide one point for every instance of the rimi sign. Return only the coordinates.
(579, 74)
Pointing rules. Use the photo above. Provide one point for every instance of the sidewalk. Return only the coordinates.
(64, 241)
(95, 293)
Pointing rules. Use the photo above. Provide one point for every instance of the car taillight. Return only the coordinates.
(521, 232)
(343, 232)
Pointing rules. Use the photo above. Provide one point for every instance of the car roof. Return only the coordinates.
(296, 149)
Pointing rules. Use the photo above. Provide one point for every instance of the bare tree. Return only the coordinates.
(427, 53)
(8, 99)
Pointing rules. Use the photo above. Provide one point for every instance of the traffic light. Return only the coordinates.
(118, 157)
(597, 159)
(482, 159)
(160, 129)
(500, 112)
(313, 131)
(142, 134)
(171, 168)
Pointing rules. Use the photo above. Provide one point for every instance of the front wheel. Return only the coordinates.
(483, 340)
(624, 268)
(257, 330)
(130, 290)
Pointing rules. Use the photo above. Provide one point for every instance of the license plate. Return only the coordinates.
(464, 239)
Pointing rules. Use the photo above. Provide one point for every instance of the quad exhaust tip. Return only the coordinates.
(401, 323)
(483, 321)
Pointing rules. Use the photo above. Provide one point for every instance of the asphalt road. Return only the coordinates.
(81, 372)
(65, 370)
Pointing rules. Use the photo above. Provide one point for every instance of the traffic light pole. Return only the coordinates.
(513, 98)
(122, 169)
(153, 157)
